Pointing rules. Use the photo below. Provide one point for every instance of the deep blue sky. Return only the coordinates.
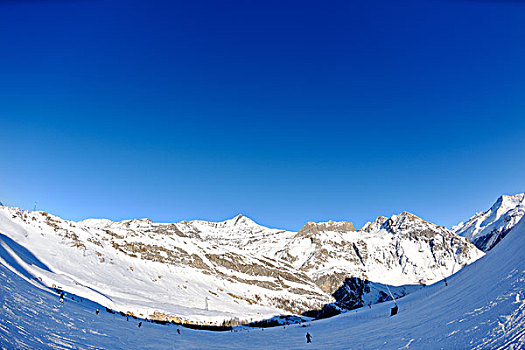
(284, 111)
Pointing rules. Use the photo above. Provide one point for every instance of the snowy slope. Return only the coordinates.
(145, 268)
(486, 229)
(481, 308)
(203, 271)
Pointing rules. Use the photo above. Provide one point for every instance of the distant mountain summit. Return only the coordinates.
(336, 226)
(486, 229)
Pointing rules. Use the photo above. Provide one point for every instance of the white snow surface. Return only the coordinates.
(481, 308)
(486, 229)
(203, 271)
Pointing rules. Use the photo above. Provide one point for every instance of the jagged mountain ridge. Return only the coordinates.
(403, 249)
(240, 268)
(486, 229)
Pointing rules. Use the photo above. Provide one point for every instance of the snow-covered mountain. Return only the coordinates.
(403, 249)
(486, 229)
(481, 307)
(201, 271)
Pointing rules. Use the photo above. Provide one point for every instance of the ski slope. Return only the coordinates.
(481, 308)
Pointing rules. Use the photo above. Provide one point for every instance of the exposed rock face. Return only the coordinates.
(356, 293)
(486, 229)
(403, 249)
(311, 228)
(240, 266)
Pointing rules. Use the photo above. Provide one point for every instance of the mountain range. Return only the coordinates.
(200, 271)
(478, 307)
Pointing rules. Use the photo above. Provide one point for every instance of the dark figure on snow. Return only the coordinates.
(140, 324)
(308, 337)
(62, 297)
(445, 282)
(178, 331)
(127, 318)
(393, 311)
(98, 310)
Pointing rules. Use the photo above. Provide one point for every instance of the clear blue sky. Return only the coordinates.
(284, 111)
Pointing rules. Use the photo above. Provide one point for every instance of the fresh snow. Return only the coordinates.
(201, 271)
(486, 229)
(481, 308)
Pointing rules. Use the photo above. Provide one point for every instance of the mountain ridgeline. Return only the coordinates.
(486, 229)
(200, 271)
(479, 307)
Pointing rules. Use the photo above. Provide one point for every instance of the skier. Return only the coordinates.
(446, 284)
(98, 310)
(178, 331)
(62, 298)
(140, 324)
(308, 337)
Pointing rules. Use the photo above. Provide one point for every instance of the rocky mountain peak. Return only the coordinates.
(408, 224)
(312, 228)
(486, 229)
(398, 223)
(374, 225)
(404, 220)
(241, 220)
(506, 202)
